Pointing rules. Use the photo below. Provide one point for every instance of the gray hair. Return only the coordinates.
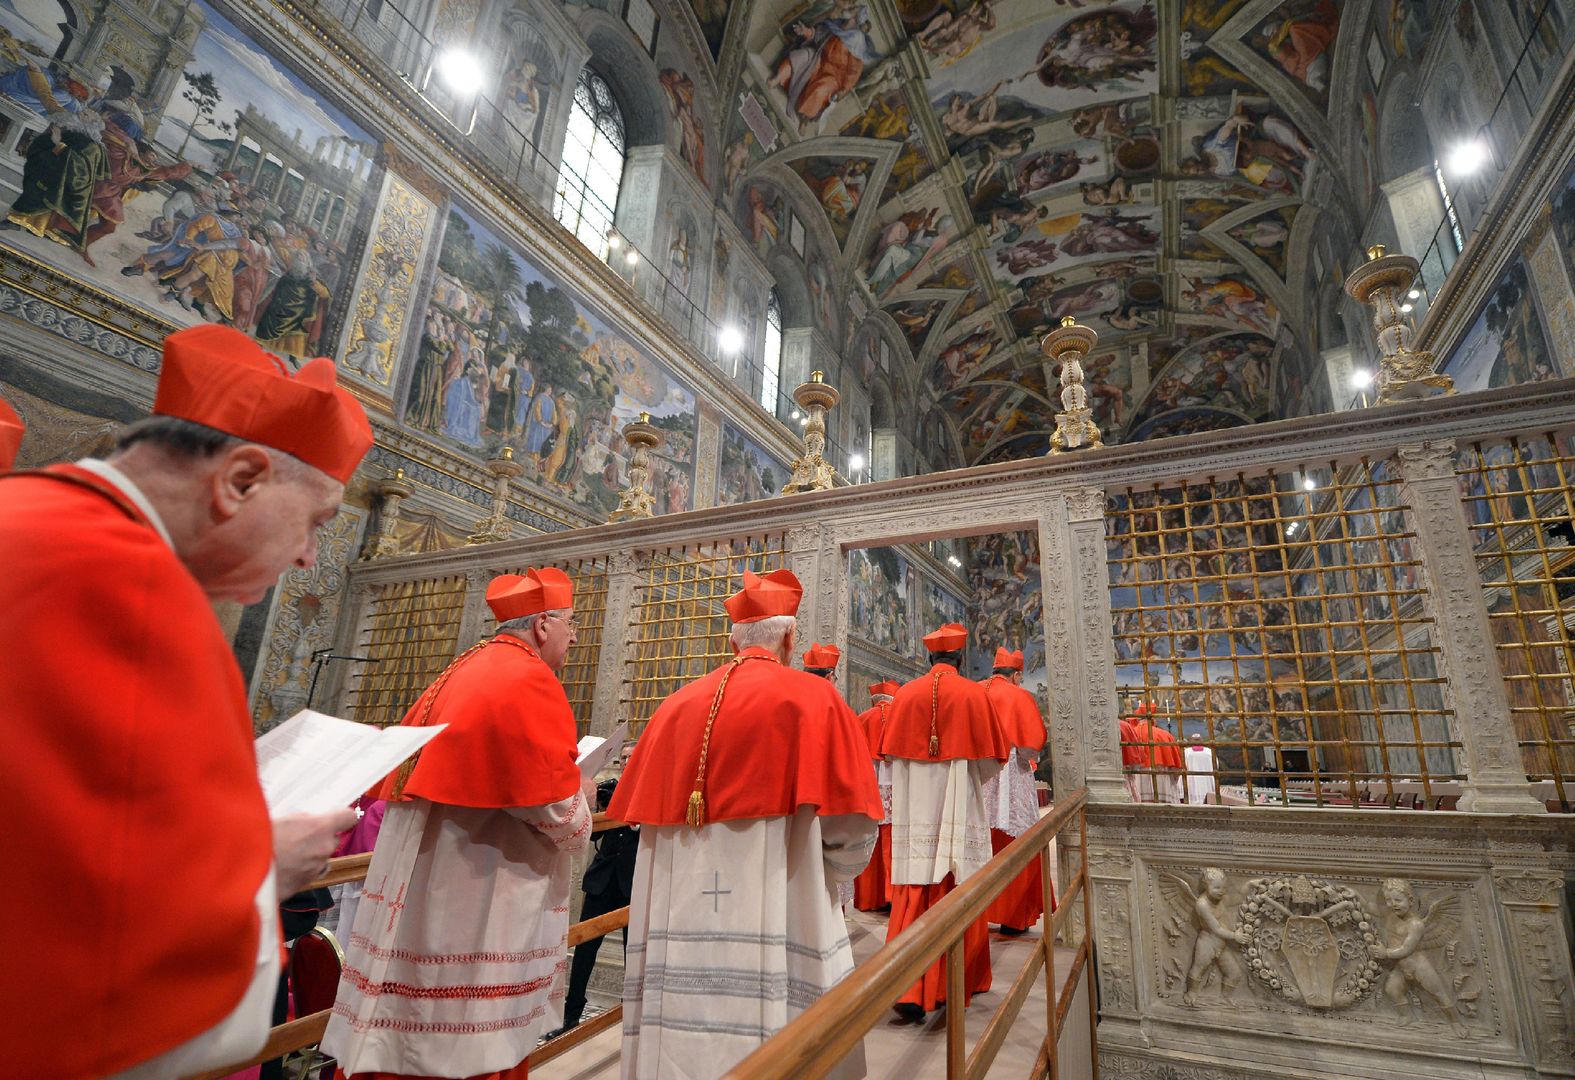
(767, 633)
(186, 440)
(522, 626)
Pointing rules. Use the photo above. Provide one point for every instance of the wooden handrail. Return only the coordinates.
(822, 1035)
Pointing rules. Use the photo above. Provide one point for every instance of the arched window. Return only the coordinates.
(773, 357)
(593, 159)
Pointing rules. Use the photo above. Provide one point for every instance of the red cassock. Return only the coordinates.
(872, 888)
(783, 739)
(1134, 755)
(486, 757)
(1165, 754)
(137, 832)
(964, 727)
(1017, 710)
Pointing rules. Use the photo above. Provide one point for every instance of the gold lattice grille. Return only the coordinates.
(1521, 511)
(683, 628)
(590, 610)
(411, 636)
(1279, 620)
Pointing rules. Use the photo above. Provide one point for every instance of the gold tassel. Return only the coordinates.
(935, 746)
(696, 815)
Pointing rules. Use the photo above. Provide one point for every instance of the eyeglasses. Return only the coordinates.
(567, 620)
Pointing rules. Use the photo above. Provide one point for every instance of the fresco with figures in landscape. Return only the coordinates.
(198, 177)
(881, 586)
(508, 356)
(746, 471)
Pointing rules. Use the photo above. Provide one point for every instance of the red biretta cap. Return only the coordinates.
(821, 656)
(948, 638)
(11, 428)
(778, 593)
(514, 596)
(1008, 659)
(886, 689)
(218, 377)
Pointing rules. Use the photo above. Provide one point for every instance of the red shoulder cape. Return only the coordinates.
(1018, 713)
(782, 739)
(965, 723)
(1132, 753)
(511, 739)
(137, 835)
(1167, 755)
(873, 721)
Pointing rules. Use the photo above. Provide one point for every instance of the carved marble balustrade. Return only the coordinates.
(1325, 934)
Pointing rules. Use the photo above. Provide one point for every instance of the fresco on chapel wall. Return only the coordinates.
(960, 359)
(183, 168)
(938, 606)
(1231, 372)
(508, 356)
(880, 583)
(747, 471)
(1298, 39)
(819, 56)
(1507, 343)
(906, 248)
(1007, 608)
(1268, 236)
(1255, 144)
(761, 212)
(712, 16)
(1562, 206)
(915, 318)
(688, 127)
(837, 185)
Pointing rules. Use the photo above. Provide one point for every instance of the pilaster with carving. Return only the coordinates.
(1531, 903)
(473, 616)
(618, 633)
(1452, 597)
(1116, 929)
(1087, 582)
(1061, 652)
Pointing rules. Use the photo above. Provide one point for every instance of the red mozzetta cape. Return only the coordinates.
(782, 739)
(1017, 710)
(1165, 754)
(965, 724)
(136, 832)
(873, 721)
(511, 738)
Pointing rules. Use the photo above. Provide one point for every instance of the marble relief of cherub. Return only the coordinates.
(1211, 950)
(1408, 935)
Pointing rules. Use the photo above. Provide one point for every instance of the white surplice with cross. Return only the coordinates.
(734, 929)
(457, 961)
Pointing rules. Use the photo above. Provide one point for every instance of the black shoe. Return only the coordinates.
(909, 1013)
(1013, 931)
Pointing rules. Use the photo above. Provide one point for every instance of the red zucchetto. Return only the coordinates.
(883, 689)
(11, 428)
(777, 593)
(218, 377)
(948, 638)
(821, 656)
(514, 596)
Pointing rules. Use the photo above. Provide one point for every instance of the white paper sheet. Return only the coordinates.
(595, 752)
(314, 763)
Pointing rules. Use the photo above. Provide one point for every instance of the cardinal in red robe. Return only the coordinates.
(872, 888)
(11, 429)
(1011, 797)
(134, 781)
(943, 742)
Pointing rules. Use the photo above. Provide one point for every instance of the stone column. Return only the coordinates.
(496, 525)
(1452, 598)
(1531, 905)
(1080, 649)
(620, 628)
(473, 616)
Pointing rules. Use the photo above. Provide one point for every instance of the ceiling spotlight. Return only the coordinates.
(955, 561)
(803, 421)
(459, 70)
(631, 256)
(614, 241)
(1290, 530)
(1361, 379)
(1309, 484)
(1406, 308)
(856, 463)
(1468, 157)
(795, 414)
(730, 338)
(1414, 294)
